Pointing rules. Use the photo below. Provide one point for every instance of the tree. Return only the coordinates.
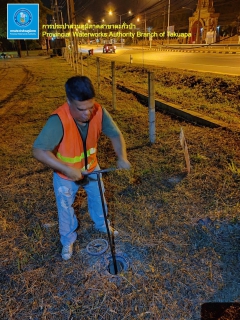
(3, 18)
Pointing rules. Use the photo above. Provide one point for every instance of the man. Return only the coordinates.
(68, 144)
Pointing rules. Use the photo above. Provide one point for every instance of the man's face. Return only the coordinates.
(81, 111)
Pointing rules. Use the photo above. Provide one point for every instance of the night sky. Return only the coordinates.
(96, 10)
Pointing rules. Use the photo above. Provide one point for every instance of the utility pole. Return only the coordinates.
(120, 16)
(56, 12)
(56, 43)
(238, 25)
(55, 9)
(68, 12)
(168, 20)
(238, 29)
(164, 12)
(74, 40)
(69, 22)
(61, 16)
(145, 28)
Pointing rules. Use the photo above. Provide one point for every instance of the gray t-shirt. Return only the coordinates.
(52, 132)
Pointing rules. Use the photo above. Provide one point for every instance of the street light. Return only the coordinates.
(120, 17)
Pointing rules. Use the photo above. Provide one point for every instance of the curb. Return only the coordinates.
(193, 51)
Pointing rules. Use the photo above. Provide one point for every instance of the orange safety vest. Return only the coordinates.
(72, 149)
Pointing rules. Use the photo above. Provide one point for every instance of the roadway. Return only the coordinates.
(228, 64)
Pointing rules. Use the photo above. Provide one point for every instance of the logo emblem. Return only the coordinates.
(23, 17)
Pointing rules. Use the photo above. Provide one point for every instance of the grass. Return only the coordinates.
(205, 93)
(234, 169)
(180, 232)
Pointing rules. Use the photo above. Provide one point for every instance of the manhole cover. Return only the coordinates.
(97, 247)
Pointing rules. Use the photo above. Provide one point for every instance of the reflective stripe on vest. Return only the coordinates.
(76, 158)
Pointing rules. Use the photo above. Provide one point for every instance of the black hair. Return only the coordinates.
(79, 88)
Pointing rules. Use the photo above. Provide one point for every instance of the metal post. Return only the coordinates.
(87, 65)
(111, 240)
(113, 85)
(151, 107)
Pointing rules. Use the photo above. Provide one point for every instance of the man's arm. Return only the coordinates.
(119, 147)
(49, 159)
(46, 141)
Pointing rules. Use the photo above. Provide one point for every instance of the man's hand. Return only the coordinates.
(74, 174)
(123, 163)
(119, 146)
(49, 158)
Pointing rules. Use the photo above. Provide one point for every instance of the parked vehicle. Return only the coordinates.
(109, 48)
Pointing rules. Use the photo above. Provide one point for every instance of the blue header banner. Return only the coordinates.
(23, 21)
